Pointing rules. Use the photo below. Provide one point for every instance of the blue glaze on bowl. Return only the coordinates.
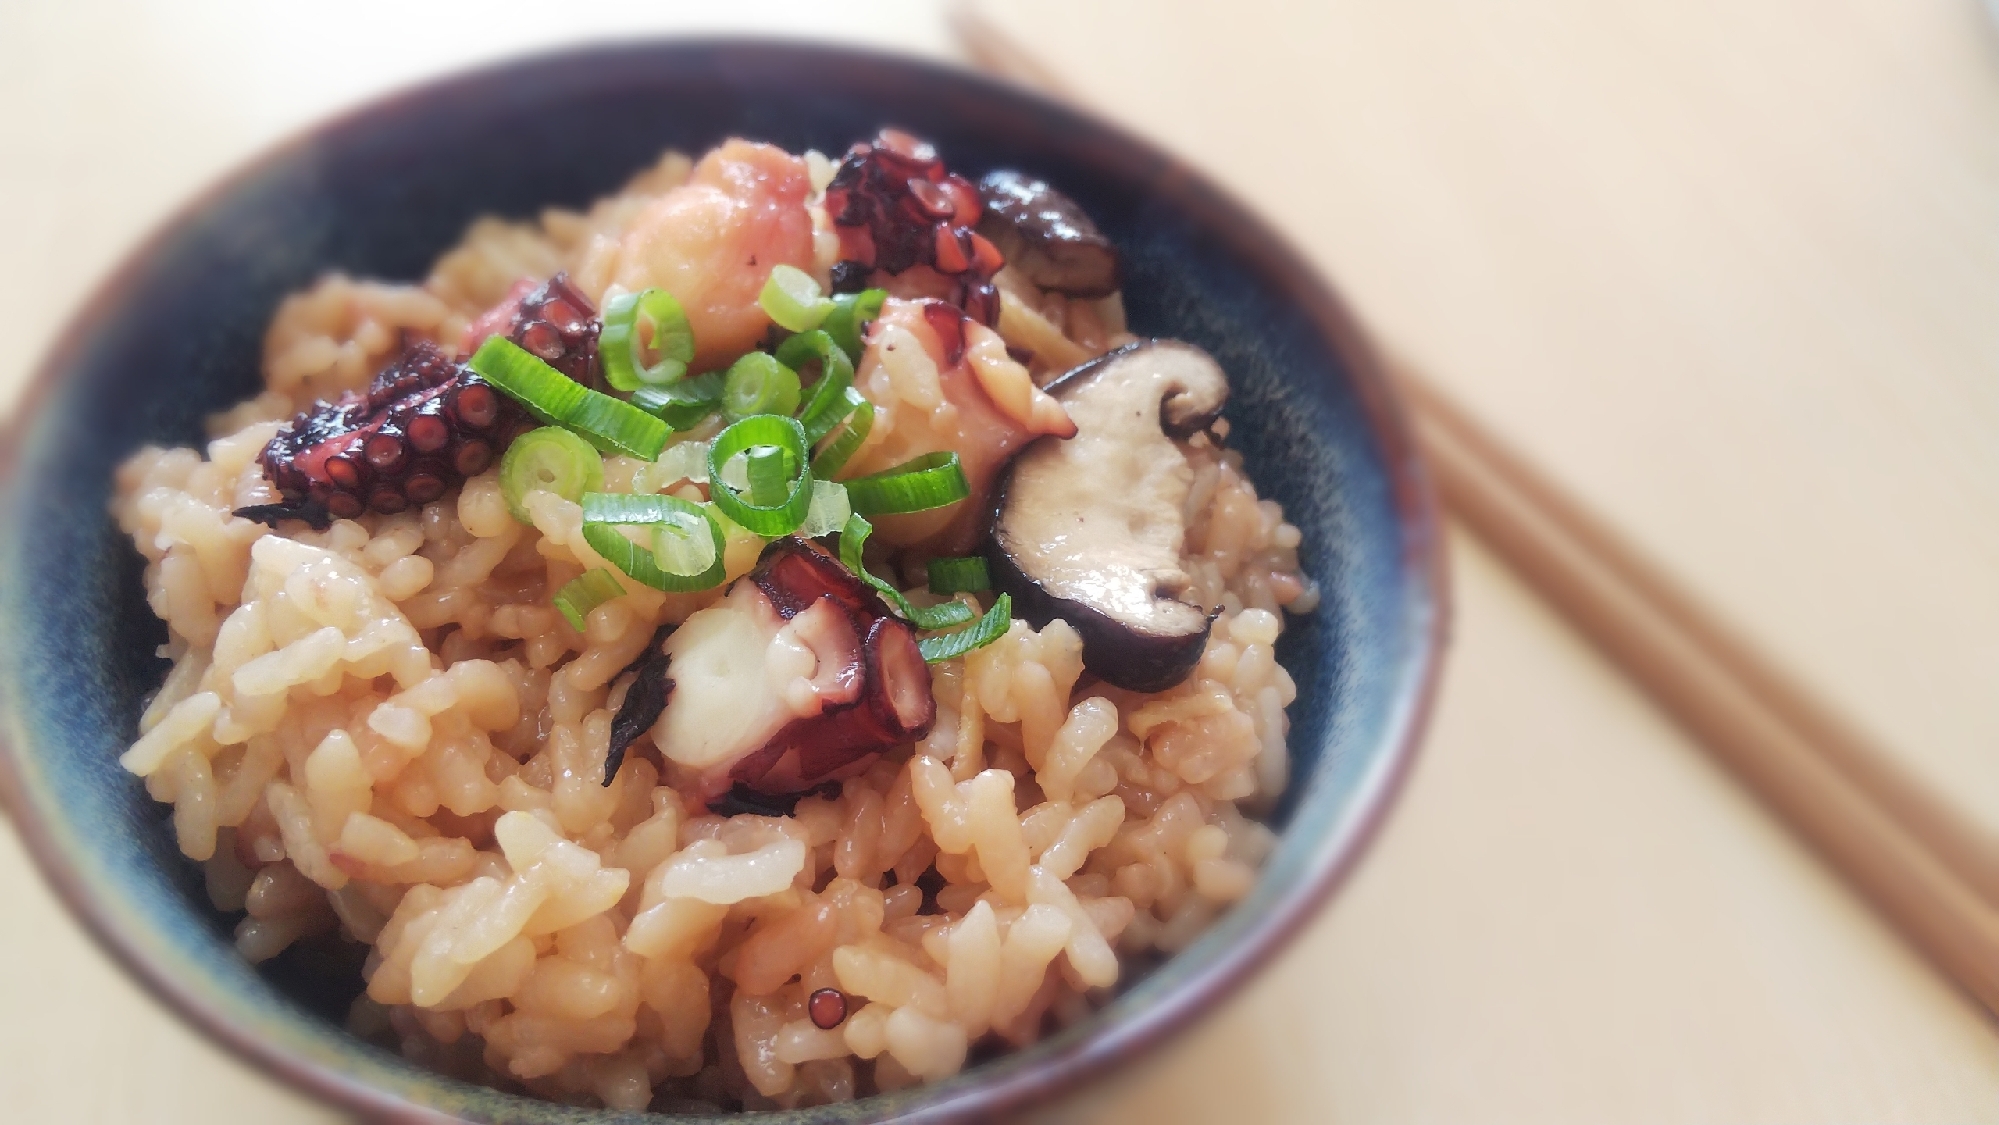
(176, 335)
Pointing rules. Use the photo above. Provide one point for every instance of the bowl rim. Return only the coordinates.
(1423, 566)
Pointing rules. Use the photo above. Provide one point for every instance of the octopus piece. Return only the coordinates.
(906, 225)
(553, 320)
(423, 426)
(941, 381)
(712, 241)
(426, 422)
(799, 676)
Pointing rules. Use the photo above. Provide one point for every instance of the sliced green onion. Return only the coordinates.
(950, 646)
(687, 543)
(550, 459)
(610, 424)
(853, 538)
(764, 471)
(827, 404)
(848, 322)
(640, 324)
(684, 403)
(687, 460)
(758, 384)
(768, 520)
(917, 485)
(858, 414)
(605, 512)
(584, 593)
(792, 299)
(959, 576)
(829, 510)
(943, 615)
(736, 472)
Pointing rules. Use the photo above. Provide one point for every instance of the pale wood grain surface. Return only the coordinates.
(1571, 917)
(1726, 270)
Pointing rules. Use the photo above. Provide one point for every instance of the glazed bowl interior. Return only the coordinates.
(177, 334)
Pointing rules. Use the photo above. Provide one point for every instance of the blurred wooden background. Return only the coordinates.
(1723, 270)
(1742, 353)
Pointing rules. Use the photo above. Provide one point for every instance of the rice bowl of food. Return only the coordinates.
(782, 603)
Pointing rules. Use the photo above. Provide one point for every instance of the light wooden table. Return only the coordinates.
(1572, 916)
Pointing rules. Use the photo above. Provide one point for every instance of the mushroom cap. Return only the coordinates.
(1047, 236)
(1091, 529)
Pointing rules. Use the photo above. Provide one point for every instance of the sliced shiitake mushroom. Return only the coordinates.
(1090, 529)
(1046, 236)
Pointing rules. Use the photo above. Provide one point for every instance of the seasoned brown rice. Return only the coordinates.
(383, 731)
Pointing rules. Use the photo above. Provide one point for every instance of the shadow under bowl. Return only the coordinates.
(176, 333)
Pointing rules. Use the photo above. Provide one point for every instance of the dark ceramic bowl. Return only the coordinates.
(175, 334)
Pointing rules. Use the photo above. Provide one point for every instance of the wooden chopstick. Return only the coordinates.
(1919, 862)
(1909, 856)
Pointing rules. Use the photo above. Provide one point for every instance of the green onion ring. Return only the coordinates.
(549, 459)
(622, 344)
(853, 538)
(610, 424)
(848, 322)
(827, 404)
(917, 485)
(792, 299)
(950, 646)
(605, 512)
(767, 520)
(684, 403)
(758, 384)
(959, 576)
(586, 592)
(764, 468)
(859, 415)
(829, 510)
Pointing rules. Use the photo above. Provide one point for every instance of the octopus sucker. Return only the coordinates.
(427, 422)
(423, 426)
(906, 223)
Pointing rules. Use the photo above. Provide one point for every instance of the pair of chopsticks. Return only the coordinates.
(1919, 862)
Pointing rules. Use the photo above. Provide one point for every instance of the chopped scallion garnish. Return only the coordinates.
(768, 520)
(829, 510)
(645, 340)
(764, 471)
(853, 539)
(610, 424)
(584, 593)
(848, 322)
(549, 459)
(684, 403)
(959, 576)
(684, 564)
(827, 403)
(687, 460)
(858, 416)
(758, 384)
(917, 485)
(792, 299)
(950, 646)
(685, 543)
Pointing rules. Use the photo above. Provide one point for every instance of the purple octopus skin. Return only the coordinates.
(871, 685)
(896, 207)
(426, 423)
